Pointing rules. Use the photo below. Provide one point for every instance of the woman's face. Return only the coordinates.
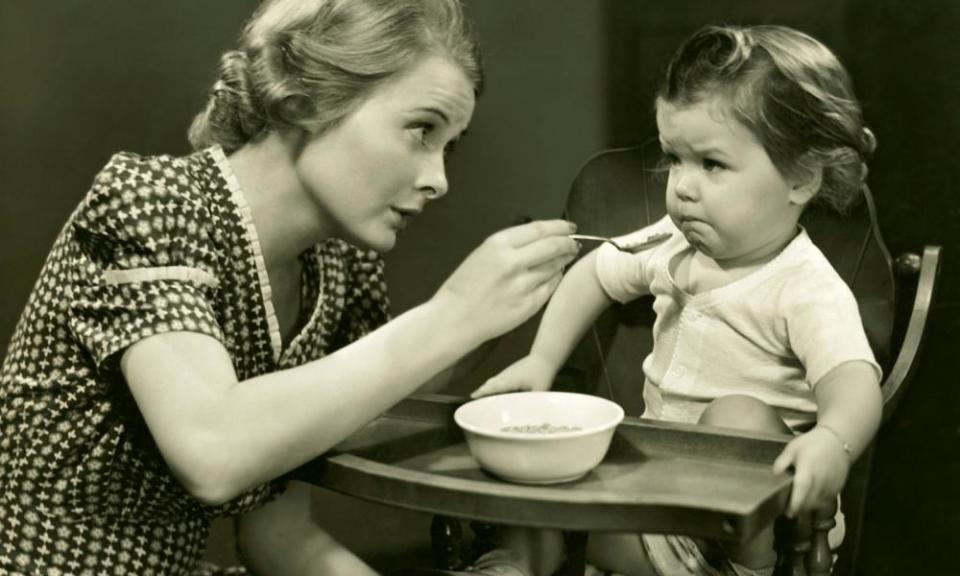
(372, 173)
(724, 192)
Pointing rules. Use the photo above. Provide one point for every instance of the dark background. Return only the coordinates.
(81, 80)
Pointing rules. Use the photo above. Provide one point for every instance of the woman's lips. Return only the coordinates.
(404, 215)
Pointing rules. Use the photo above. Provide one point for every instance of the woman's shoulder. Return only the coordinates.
(155, 210)
(156, 191)
(128, 175)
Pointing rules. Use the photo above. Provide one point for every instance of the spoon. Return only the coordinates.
(649, 242)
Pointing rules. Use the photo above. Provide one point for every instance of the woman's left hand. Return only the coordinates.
(820, 466)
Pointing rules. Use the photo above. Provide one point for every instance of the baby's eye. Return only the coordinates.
(713, 165)
(670, 159)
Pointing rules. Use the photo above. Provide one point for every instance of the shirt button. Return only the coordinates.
(679, 371)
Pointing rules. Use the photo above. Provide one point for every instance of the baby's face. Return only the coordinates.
(724, 192)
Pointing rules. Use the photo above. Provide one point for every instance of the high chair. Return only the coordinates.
(621, 190)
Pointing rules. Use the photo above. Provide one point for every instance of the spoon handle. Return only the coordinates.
(649, 242)
(587, 237)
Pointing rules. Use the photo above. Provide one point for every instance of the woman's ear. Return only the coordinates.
(294, 109)
(806, 185)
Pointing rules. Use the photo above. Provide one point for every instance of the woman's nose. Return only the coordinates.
(433, 178)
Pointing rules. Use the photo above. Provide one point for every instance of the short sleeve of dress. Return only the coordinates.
(142, 260)
(624, 276)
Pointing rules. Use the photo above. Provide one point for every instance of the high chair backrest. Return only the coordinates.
(621, 190)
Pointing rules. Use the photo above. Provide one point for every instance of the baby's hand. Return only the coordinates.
(820, 464)
(527, 373)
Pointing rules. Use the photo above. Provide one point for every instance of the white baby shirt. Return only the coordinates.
(771, 334)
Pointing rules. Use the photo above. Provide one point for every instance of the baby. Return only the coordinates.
(754, 329)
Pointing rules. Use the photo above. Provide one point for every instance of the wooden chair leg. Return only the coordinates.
(819, 558)
(575, 563)
(446, 542)
(810, 554)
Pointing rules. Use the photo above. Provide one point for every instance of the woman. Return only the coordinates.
(204, 325)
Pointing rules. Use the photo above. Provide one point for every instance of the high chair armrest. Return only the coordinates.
(905, 364)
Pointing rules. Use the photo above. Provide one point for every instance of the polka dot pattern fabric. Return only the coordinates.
(159, 244)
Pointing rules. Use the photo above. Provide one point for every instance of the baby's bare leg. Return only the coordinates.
(621, 553)
(744, 413)
(532, 551)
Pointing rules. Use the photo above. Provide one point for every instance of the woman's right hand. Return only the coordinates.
(509, 277)
(528, 373)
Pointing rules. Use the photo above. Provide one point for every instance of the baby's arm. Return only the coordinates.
(849, 406)
(577, 302)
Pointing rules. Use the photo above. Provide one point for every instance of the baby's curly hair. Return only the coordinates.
(790, 91)
(308, 63)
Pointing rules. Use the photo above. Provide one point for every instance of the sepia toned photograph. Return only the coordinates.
(479, 288)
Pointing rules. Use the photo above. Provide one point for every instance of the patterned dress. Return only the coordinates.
(159, 244)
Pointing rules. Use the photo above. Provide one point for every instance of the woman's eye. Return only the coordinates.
(450, 147)
(422, 132)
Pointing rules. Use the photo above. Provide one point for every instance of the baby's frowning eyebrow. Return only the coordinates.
(704, 151)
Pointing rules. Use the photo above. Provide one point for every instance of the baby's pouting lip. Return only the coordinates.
(688, 219)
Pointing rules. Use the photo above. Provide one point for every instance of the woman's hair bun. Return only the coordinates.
(233, 114)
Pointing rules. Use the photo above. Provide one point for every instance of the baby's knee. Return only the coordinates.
(743, 413)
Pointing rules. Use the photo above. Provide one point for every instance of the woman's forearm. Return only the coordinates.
(222, 436)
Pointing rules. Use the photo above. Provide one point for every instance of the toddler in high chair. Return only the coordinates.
(754, 329)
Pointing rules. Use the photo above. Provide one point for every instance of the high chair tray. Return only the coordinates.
(657, 477)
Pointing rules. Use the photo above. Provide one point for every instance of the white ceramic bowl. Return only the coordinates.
(539, 437)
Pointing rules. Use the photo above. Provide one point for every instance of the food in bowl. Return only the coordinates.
(545, 428)
(539, 437)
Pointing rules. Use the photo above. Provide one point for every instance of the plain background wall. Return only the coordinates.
(83, 79)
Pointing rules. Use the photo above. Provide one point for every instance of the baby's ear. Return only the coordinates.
(806, 185)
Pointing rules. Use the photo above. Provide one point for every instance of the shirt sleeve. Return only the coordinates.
(825, 328)
(624, 276)
(142, 260)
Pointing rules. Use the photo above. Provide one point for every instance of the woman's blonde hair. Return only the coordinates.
(308, 63)
(791, 91)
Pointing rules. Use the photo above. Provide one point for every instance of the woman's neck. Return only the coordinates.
(286, 221)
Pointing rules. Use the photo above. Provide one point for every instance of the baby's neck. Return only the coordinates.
(696, 272)
(758, 257)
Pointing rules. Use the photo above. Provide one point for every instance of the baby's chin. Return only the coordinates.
(697, 241)
(703, 248)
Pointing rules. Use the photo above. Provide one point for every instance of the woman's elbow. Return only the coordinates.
(210, 493)
(206, 471)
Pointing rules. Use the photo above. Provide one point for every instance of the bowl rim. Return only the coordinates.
(458, 418)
